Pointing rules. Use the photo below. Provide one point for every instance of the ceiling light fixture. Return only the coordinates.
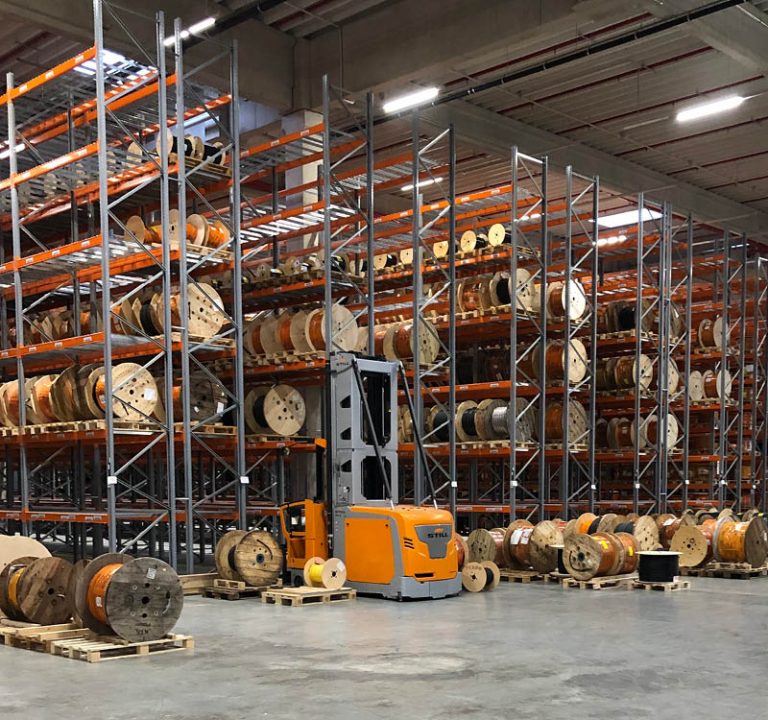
(418, 97)
(631, 217)
(195, 29)
(422, 183)
(709, 108)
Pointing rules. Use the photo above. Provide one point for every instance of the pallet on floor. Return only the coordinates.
(301, 596)
(197, 583)
(519, 576)
(600, 583)
(222, 589)
(737, 571)
(673, 586)
(98, 649)
(556, 577)
(39, 637)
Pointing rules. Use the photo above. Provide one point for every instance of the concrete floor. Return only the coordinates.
(523, 651)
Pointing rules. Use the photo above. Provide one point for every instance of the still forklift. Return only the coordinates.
(394, 551)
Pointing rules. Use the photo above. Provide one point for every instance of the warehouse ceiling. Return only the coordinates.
(595, 83)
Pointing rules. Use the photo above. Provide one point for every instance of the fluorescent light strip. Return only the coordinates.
(631, 217)
(194, 29)
(422, 183)
(709, 108)
(418, 97)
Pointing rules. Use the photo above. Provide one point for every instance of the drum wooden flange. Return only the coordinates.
(429, 342)
(646, 533)
(481, 545)
(490, 565)
(756, 542)
(250, 416)
(497, 233)
(461, 434)
(577, 361)
(95, 404)
(224, 554)
(11, 568)
(468, 241)
(607, 523)
(144, 600)
(74, 577)
(473, 577)
(334, 572)
(483, 416)
(695, 386)
(541, 553)
(298, 336)
(43, 589)
(284, 409)
(581, 556)
(134, 392)
(83, 583)
(692, 545)
(258, 559)
(206, 310)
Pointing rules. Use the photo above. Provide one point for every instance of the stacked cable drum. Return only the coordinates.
(275, 410)
(395, 341)
(78, 393)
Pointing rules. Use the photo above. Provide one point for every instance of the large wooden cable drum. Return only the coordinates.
(696, 386)
(515, 544)
(644, 529)
(466, 428)
(717, 385)
(344, 328)
(35, 590)
(554, 421)
(589, 556)
(40, 399)
(631, 550)
(629, 372)
(649, 430)
(402, 340)
(710, 333)
(484, 419)
(137, 599)
(278, 410)
(692, 544)
(13, 547)
(254, 557)
(486, 545)
(741, 542)
(554, 358)
(669, 526)
(134, 392)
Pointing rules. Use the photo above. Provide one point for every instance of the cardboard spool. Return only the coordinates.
(278, 410)
(137, 599)
(254, 557)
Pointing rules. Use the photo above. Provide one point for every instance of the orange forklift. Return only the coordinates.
(394, 551)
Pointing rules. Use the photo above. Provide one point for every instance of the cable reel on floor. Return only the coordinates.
(479, 576)
(330, 574)
(253, 557)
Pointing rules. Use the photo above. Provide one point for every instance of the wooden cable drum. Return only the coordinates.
(63, 396)
(484, 419)
(589, 556)
(562, 301)
(206, 310)
(554, 421)
(440, 249)
(134, 392)
(41, 399)
(479, 576)
(583, 523)
(692, 544)
(473, 295)
(525, 421)
(13, 547)
(515, 544)
(740, 542)
(9, 403)
(283, 331)
(471, 241)
(208, 399)
(35, 590)
(494, 365)
(462, 549)
(137, 599)
(384, 261)
(696, 386)
(379, 333)
(466, 429)
(278, 410)
(710, 333)
(267, 333)
(406, 256)
(405, 426)
(630, 371)
(601, 433)
(631, 550)
(330, 574)
(673, 377)
(429, 341)
(256, 558)
(33, 417)
(554, 357)
(486, 545)
(650, 428)
(497, 235)
(71, 593)
(344, 328)
(644, 529)
(717, 385)
(669, 527)
(361, 345)
(607, 522)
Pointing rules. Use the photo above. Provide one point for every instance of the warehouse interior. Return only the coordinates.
(440, 315)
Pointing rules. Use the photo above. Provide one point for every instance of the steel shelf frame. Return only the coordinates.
(759, 392)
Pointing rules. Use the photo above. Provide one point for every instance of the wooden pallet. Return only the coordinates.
(196, 584)
(663, 586)
(98, 649)
(732, 571)
(600, 583)
(302, 596)
(39, 637)
(519, 576)
(209, 429)
(556, 577)
(233, 590)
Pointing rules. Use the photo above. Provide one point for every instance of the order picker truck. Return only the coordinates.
(395, 551)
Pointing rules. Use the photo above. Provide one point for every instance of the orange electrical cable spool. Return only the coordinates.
(487, 545)
(315, 330)
(462, 551)
(379, 333)
(553, 421)
(707, 333)
(42, 391)
(217, 235)
(631, 548)
(589, 556)
(97, 591)
(670, 526)
(707, 529)
(284, 331)
(517, 544)
(402, 340)
(553, 358)
(13, 588)
(741, 542)
(584, 522)
(254, 335)
(12, 401)
(470, 297)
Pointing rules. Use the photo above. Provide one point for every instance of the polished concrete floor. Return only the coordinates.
(523, 651)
